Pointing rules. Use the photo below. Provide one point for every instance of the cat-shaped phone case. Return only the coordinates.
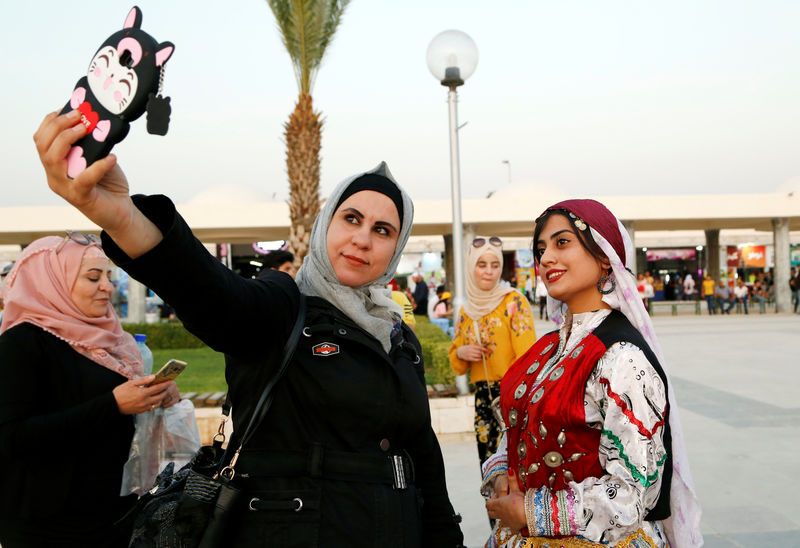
(123, 81)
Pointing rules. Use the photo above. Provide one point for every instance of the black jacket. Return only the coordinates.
(341, 394)
(63, 443)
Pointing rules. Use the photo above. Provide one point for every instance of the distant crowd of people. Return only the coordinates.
(720, 296)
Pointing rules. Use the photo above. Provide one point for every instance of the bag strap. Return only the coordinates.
(265, 401)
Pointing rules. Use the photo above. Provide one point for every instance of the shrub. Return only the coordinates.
(427, 330)
(164, 335)
(435, 345)
(437, 362)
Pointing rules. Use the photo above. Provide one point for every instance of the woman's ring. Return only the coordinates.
(152, 407)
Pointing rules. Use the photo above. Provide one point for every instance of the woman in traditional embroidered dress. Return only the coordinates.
(594, 453)
(494, 328)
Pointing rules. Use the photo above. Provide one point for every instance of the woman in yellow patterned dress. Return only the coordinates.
(494, 328)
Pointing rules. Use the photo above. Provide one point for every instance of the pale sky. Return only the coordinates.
(594, 97)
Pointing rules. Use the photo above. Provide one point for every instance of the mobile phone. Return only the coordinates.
(171, 369)
(122, 82)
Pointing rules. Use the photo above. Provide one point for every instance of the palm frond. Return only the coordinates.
(307, 28)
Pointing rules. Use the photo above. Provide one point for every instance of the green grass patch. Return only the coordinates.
(205, 371)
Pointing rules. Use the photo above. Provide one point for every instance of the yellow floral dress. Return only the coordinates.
(507, 332)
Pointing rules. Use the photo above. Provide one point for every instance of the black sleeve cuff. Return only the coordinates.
(161, 212)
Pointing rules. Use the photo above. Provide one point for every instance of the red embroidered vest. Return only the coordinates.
(549, 442)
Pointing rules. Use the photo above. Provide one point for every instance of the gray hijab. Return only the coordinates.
(370, 305)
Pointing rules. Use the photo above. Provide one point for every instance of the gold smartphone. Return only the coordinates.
(171, 369)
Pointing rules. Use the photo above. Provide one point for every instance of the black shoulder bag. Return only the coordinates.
(191, 508)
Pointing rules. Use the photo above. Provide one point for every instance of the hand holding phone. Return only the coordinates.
(171, 369)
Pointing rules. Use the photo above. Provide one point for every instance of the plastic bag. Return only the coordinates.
(161, 436)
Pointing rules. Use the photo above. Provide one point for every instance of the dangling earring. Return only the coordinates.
(602, 282)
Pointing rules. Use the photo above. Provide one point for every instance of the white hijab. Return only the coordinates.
(370, 305)
(480, 301)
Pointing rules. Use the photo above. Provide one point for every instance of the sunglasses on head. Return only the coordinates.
(79, 238)
(494, 240)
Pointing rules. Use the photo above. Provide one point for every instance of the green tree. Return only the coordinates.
(307, 28)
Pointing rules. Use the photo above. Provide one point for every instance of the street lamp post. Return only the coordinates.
(452, 57)
(508, 163)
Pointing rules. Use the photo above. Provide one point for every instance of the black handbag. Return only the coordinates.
(191, 508)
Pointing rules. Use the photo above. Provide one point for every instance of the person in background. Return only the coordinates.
(434, 299)
(708, 294)
(280, 260)
(541, 296)
(442, 314)
(688, 288)
(70, 387)
(420, 295)
(529, 289)
(794, 287)
(594, 452)
(443, 309)
(408, 311)
(494, 328)
(3, 274)
(723, 296)
(760, 295)
(641, 284)
(649, 292)
(741, 293)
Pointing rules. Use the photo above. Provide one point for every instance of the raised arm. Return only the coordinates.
(100, 192)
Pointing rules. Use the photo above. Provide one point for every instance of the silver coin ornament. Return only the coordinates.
(512, 418)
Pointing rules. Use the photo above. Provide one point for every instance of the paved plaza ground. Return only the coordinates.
(737, 380)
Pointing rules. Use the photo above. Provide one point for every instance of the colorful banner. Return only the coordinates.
(686, 254)
(794, 255)
(733, 256)
(522, 278)
(524, 258)
(753, 256)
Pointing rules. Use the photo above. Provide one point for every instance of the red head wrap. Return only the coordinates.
(597, 216)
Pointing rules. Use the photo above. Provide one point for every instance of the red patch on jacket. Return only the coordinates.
(325, 349)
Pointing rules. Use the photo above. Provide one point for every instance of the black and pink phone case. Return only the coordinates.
(123, 76)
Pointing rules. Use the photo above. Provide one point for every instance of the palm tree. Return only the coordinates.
(307, 28)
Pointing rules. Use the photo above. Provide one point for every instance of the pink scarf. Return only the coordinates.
(38, 291)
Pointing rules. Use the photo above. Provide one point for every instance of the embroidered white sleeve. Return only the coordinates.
(494, 466)
(625, 398)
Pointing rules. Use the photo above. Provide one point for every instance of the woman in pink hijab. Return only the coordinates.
(71, 383)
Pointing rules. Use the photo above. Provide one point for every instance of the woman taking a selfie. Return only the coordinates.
(68, 393)
(594, 452)
(349, 432)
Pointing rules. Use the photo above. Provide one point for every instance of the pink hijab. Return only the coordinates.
(38, 291)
